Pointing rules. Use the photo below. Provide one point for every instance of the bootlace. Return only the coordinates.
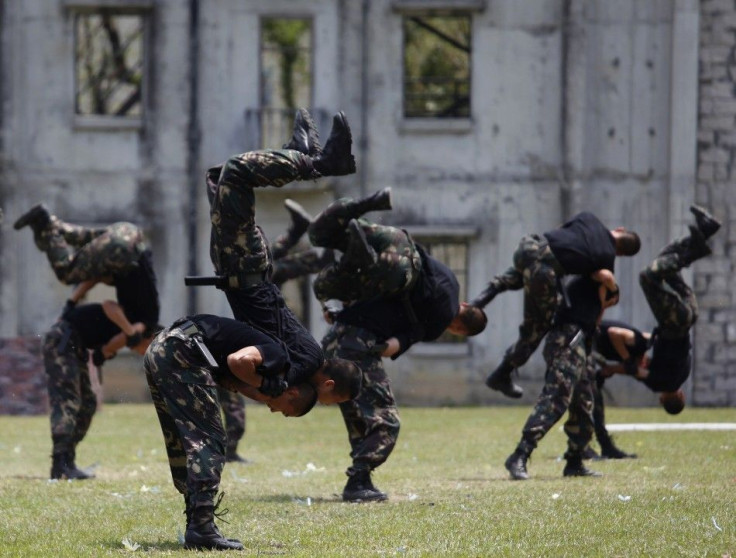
(221, 513)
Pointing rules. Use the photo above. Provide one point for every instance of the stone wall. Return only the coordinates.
(22, 377)
(715, 337)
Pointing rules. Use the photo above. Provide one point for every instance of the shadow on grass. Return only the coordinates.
(145, 545)
(290, 499)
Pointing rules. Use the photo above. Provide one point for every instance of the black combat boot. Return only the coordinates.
(500, 380)
(610, 451)
(336, 158)
(359, 488)
(380, 201)
(590, 453)
(63, 468)
(516, 464)
(575, 468)
(358, 254)
(232, 456)
(37, 217)
(300, 220)
(203, 534)
(693, 250)
(305, 137)
(707, 224)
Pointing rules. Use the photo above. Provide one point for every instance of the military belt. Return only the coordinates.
(191, 331)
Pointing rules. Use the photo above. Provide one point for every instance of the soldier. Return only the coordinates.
(567, 385)
(582, 246)
(185, 364)
(285, 266)
(368, 329)
(116, 255)
(377, 260)
(675, 309)
(241, 255)
(103, 329)
(614, 341)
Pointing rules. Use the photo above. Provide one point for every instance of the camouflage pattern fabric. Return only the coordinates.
(184, 392)
(296, 265)
(78, 254)
(372, 418)
(71, 399)
(593, 367)
(237, 244)
(233, 408)
(672, 301)
(396, 270)
(567, 387)
(537, 269)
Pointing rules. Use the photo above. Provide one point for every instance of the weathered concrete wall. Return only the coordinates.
(715, 281)
(576, 104)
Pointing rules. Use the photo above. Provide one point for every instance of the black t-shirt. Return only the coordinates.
(602, 342)
(93, 326)
(670, 364)
(583, 304)
(263, 307)
(137, 293)
(583, 245)
(423, 315)
(224, 336)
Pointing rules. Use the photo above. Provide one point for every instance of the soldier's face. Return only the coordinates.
(282, 404)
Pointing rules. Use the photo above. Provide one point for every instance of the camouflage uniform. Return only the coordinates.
(396, 270)
(537, 271)
(567, 387)
(237, 245)
(240, 252)
(78, 254)
(372, 418)
(184, 392)
(233, 407)
(672, 301)
(72, 401)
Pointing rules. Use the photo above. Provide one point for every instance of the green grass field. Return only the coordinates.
(449, 492)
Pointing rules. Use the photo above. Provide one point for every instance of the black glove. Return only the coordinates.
(98, 357)
(68, 307)
(273, 386)
(133, 340)
(631, 366)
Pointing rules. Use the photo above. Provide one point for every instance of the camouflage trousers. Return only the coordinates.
(184, 392)
(237, 245)
(397, 267)
(372, 419)
(71, 399)
(296, 265)
(233, 409)
(78, 254)
(672, 301)
(567, 387)
(538, 271)
(293, 264)
(599, 407)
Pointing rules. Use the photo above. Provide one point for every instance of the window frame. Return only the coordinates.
(142, 8)
(430, 8)
(428, 235)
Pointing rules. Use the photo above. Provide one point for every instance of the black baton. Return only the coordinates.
(205, 280)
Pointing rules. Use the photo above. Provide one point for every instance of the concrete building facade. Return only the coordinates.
(625, 108)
